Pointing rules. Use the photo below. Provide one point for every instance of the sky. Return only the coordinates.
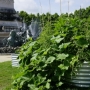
(52, 6)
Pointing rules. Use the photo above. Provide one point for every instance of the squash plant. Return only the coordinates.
(44, 68)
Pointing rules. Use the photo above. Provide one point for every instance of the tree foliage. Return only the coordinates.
(44, 18)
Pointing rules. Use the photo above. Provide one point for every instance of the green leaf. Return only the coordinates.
(82, 42)
(78, 37)
(63, 67)
(64, 45)
(58, 39)
(26, 78)
(62, 56)
(32, 87)
(34, 56)
(74, 59)
(50, 59)
(46, 51)
(22, 83)
(49, 80)
(47, 85)
(59, 84)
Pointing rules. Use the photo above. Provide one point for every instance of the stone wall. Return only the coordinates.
(11, 23)
(7, 3)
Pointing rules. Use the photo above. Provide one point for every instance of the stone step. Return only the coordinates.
(4, 34)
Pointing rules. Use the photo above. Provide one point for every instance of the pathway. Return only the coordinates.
(4, 58)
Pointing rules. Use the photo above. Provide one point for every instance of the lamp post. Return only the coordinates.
(50, 14)
(50, 10)
(60, 7)
(41, 21)
(68, 8)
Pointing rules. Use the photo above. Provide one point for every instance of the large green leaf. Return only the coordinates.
(47, 85)
(57, 39)
(62, 56)
(50, 59)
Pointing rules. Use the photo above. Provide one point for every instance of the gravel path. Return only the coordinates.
(4, 58)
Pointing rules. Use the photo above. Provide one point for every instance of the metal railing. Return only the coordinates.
(15, 60)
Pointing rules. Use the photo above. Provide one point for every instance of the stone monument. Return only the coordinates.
(9, 19)
(13, 31)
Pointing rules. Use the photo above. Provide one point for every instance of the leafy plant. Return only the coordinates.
(44, 68)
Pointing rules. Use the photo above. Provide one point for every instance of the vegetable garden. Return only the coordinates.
(54, 55)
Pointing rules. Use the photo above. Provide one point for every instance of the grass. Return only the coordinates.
(6, 73)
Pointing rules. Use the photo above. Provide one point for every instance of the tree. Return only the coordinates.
(54, 17)
(24, 16)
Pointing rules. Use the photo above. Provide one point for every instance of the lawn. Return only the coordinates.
(6, 73)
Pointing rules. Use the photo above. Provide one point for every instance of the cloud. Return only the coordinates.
(29, 6)
(65, 2)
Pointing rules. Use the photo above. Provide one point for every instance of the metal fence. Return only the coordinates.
(82, 77)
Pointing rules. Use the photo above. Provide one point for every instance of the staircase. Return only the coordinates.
(4, 35)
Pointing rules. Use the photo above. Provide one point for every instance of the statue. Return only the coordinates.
(15, 39)
(18, 38)
(12, 38)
